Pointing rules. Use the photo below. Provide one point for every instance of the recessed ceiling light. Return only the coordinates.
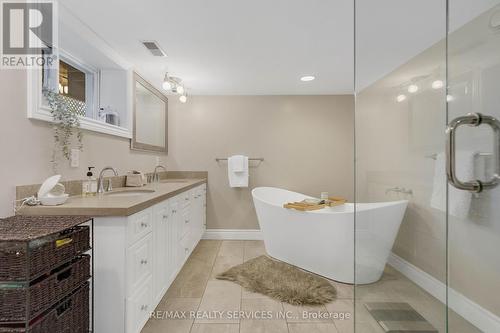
(307, 78)
(183, 98)
(413, 88)
(401, 98)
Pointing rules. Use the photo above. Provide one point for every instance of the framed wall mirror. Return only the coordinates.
(150, 118)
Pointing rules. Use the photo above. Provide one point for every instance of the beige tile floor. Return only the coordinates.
(216, 304)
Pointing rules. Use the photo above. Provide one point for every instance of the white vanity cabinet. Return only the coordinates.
(137, 257)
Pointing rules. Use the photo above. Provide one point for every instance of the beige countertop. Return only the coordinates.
(109, 205)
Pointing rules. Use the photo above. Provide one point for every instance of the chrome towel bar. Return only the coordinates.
(260, 159)
(479, 154)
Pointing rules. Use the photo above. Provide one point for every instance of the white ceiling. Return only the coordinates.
(232, 47)
(262, 47)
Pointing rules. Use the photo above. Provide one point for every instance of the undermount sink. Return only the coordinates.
(129, 193)
(173, 181)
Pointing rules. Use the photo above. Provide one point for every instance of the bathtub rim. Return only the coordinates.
(352, 207)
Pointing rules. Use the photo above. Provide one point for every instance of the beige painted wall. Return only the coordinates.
(306, 142)
(393, 140)
(26, 146)
(285, 130)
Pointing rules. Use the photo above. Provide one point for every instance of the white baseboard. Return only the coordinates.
(237, 234)
(472, 312)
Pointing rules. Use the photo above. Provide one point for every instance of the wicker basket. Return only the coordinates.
(26, 260)
(71, 315)
(41, 294)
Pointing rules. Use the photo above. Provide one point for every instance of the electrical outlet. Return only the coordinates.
(75, 158)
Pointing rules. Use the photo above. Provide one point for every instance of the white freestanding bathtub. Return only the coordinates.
(322, 241)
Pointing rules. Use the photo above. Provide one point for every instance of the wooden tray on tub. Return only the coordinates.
(306, 206)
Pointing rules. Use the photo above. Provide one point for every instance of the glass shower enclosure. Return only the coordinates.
(427, 97)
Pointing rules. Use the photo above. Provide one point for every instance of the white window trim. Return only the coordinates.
(36, 109)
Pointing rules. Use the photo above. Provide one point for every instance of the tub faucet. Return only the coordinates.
(156, 176)
(100, 182)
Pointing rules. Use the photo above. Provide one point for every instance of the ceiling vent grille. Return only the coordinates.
(154, 48)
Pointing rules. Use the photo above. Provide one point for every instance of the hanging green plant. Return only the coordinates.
(66, 125)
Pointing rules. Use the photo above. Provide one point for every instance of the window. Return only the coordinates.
(98, 96)
(94, 80)
(72, 87)
(76, 84)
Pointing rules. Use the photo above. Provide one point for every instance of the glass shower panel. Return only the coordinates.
(474, 218)
(400, 117)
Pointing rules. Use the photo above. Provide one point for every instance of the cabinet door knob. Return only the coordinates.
(144, 261)
(144, 225)
(165, 216)
(186, 221)
(186, 199)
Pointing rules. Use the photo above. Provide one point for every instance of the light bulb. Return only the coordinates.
(401, 98)
(180, 90)
(307, 78)
(438, 84)
(183, 98)
(166, 85)
(413, 88)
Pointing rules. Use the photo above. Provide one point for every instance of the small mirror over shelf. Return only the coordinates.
(150, 117)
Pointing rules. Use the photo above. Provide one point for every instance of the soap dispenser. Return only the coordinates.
(89, 186)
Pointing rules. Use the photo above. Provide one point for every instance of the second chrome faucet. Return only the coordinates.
(156, 176)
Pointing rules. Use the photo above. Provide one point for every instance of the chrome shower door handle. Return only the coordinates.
(474, 120)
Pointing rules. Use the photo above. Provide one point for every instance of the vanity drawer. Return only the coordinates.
(185, 222)
(139, 225)
(185, 198)
(139, 306)
(185, 247)
(139, 263)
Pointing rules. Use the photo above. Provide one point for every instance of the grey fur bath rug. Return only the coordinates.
(281, 281)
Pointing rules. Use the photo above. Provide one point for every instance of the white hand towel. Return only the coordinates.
(458, 201)
(237, 171)
(238, 163)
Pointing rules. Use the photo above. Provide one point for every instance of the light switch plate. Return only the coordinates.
(75, 158)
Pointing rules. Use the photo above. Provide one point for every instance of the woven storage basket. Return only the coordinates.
(32, 246)
(71, 315)
(41, 294)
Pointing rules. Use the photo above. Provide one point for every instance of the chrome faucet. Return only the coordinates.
(156, 176)
(100, 182)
